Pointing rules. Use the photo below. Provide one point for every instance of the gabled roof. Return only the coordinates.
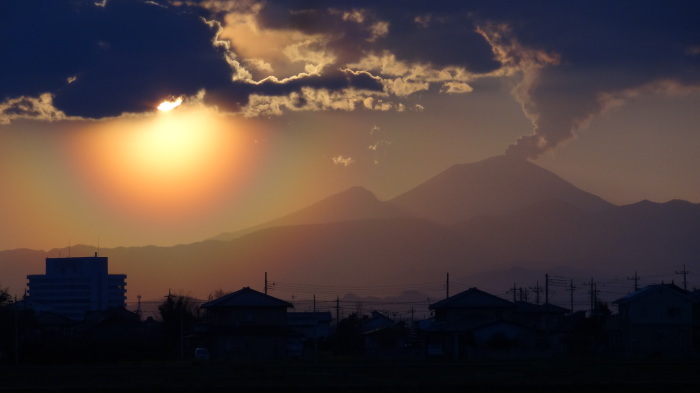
(529, 308)
(473, 298)
(247, 297)
(671, 288)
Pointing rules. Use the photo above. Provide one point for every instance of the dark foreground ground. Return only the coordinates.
(361, 376)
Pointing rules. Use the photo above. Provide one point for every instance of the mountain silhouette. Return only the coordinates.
(355, 203)
(497, 185)
(473, 220)
(641, 235)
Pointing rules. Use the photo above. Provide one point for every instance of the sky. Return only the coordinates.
(274, 105)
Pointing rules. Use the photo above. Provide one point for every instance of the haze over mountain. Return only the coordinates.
(471, 221)
(356, 203)
(497, 185)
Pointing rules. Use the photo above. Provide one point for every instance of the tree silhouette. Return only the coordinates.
(5, 297)
(348, 338)
(178, 314)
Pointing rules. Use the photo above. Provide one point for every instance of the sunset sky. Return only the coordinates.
(283, 103)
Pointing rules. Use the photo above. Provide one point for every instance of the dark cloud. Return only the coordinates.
(605, 48)
(448, 38)
(231, 97)
(442, 34)
(126, 56)
(131, 54)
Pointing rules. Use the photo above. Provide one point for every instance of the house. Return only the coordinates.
(456, 317)
(539, 316)
(116, 333)
(552, 323)
(307, 329)
(310, 325)
(656, 319)
(383, 337)
(477, 323)
(245, 324)
(74, 286)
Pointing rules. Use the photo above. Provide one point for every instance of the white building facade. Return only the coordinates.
(73, 286)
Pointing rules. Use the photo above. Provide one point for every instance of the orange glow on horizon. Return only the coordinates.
(170, 167)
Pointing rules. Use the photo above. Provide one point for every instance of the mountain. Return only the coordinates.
(644, 235)
(473, 221)
(494, 186)
(380, 252)
(546, 231)
(356, 203)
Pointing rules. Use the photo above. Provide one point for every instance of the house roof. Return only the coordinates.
(247, 297)
(529, 308)
(671, 288)
(473, 298)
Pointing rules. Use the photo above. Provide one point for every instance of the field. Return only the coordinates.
(360, 376)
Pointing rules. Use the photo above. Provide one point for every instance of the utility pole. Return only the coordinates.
(447, 286)
(594, 295)
(538, 290)
(571, 290)
(16, 312)
(182, 329)
(138, 307)
(685, 275)
(636, 280)
(546, 288)
(514, 290)
(265, 283)
(337, 311)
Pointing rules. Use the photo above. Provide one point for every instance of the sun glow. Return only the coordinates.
(169, 105)
(167, 166)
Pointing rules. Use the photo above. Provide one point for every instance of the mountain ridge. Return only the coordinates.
(496, 185)
(354, 203)
(352, 237)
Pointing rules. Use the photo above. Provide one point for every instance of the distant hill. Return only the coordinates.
(494, 186)
(473, 221)
(643, 235)
(356, 203)
(379, 252)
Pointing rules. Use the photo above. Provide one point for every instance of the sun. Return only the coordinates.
(166, 166)
(169, 105)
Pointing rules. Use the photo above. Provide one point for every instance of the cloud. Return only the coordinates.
(35, 108)
(342, 160)
(567, 61)
(455, 88)
(378, 145)
(101, 61)
(570, 66)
